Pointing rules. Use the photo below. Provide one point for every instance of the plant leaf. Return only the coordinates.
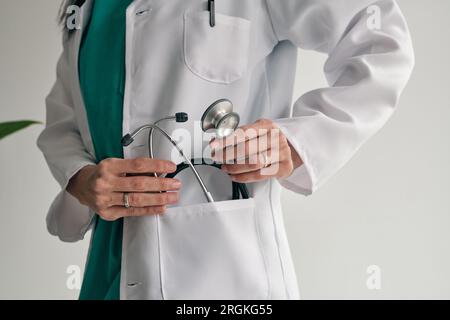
(7, 128)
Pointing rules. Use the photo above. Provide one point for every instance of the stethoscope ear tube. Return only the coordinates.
(239, 190)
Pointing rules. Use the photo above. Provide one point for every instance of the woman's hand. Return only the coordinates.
(256, 152)
(101, 187)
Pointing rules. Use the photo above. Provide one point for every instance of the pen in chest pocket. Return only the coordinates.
(212, 12)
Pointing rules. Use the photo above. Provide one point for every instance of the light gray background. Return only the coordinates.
(389, 206)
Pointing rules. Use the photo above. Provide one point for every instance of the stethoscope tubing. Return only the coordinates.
(180, 151)
(239, 190)
(215, 116)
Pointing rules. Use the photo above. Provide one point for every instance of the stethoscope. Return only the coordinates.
(220, 117)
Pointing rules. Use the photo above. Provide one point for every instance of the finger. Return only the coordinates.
(273, 139)
(243, 150)
(243, 133)
(279, 169)
(144, 199)
(254, 164)
(242, 168)
(117, 212)
(137, 165)
(255, 157)
(144, 184)
(248, 177)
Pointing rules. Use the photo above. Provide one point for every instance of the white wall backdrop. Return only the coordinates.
(389, 207)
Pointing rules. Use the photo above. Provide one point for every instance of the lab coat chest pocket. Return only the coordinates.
(212, 251)
(218, 54)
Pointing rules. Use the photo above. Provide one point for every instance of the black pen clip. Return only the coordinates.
(212, 13)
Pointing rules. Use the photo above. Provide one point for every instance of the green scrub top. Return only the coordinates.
(102, 73)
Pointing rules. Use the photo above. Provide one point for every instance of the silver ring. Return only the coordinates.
(126, 202)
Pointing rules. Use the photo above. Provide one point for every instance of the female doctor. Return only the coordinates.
(133, 62)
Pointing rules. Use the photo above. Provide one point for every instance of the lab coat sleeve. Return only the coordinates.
(65, 153)
(367, 68)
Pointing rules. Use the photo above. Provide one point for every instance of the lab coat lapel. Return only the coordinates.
(80, 110)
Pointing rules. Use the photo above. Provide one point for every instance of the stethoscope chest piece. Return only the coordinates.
(220, 117)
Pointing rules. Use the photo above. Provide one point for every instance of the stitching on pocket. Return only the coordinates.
(262, 252)
(210, 208)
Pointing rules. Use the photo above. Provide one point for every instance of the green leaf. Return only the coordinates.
(7, 128)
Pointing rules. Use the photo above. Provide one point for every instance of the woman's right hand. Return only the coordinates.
(101, 187)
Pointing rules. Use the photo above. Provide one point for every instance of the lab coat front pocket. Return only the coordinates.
(212, 251)
(220, 53)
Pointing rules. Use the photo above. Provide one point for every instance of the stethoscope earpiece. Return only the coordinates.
(181, 117)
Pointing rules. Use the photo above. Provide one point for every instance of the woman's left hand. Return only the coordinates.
(256, 152)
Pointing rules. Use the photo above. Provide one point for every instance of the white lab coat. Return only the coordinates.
(176, 62)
